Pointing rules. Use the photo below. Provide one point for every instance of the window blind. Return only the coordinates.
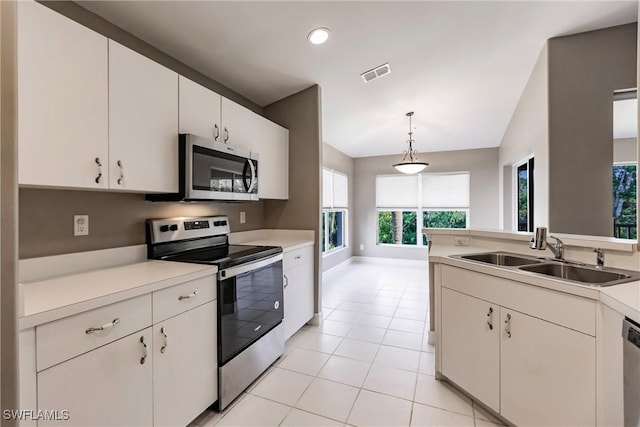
(445, 190)
(335, 189)
(397, 191)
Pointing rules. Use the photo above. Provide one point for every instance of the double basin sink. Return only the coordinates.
(565, 270)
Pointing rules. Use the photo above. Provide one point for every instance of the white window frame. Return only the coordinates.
(333, 208)
(419, 209)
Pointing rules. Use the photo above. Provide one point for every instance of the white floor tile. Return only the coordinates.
(346, 371)
(429, 416)
(342, 315)
(374, 409)
(255, 411)
(403, 339)
(282, 386)
(359, 350)
(411, 313)
(483, 423)
(427, 363)
(328, 399)
(392, 381)
(298, 418)
(333, 327)
(387, 301)
(413, 304)
(373, 320)
(429, 348)
(391, 293)
(398, 358)
(319, 342)
(330, 303)
(207, 418)
(367, 333)
(304, 361)
(481, 414)
(439, 394)
(407, 325)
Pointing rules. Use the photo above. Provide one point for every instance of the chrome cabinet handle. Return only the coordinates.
(507, 327)
(286, 281)
(163, 331)
(144, 349)
(226, 134)
(490, 318)
(121, 179)
(191, 295)
(99, 163)
(216, 133)
(297, 257)
(103, 327)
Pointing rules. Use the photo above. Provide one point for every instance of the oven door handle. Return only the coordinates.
(244, 268)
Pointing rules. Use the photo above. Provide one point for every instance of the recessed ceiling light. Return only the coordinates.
(318, 36)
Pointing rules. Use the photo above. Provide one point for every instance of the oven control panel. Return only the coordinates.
(174, 229)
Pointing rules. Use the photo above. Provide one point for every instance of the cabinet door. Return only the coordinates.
(298, 298)
(106, 386)
(547, 372)
(143, 123)
(271, 142)
(185, 366)
(199, 110)
(238, 124)
(471, 345)
(62, 100)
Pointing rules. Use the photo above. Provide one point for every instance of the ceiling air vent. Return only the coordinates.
(377, 72)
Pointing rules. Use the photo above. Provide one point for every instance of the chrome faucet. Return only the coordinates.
(599, 257)
(540, 243)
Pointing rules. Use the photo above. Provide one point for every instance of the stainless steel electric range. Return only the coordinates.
(250, 294)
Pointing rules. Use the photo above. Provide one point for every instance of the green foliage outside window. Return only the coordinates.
(624, 201)
(445, 219)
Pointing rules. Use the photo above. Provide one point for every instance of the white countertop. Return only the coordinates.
(51, 299)
(624, 298)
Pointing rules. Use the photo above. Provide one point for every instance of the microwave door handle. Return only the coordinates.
(253, 176)
(248, 186)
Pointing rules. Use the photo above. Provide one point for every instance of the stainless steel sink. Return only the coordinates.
(584, 275)
(501, 258)
(567, 270)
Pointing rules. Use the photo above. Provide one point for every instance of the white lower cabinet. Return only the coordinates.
(547, 374)
(298, 289)
(471, 345)
(110, 385)
(529, 370)
(185, 368)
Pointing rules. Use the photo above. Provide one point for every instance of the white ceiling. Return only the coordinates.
(460, 65)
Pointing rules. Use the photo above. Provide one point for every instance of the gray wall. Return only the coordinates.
(528, 134)
(301, 114)
(334, 159)
(584, 70)
(8, 210)
(115, 219)
(482, 165)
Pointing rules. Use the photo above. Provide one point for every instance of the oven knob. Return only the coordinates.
(276, 304)
(174, 227)
(164, 228)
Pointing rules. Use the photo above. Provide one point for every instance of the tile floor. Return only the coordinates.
(369, 364)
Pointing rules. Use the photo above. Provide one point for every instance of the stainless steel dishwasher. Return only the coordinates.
(631, 363)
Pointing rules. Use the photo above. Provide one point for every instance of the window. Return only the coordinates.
(335, 200)
(524, 194)
(624, 201)
(406, 203)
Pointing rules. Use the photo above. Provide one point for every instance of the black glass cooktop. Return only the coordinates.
(226, 256)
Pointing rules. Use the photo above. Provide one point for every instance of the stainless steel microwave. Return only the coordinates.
(210, 170)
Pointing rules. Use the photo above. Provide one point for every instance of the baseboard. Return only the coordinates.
(432, 337)
(316, 320)
(341, 264)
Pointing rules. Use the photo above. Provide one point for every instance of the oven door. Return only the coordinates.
(219, 172)
(249, 304)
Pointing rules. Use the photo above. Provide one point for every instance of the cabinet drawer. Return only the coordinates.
(296, 257)
(69, 337)
(180, 298)
(563, 309)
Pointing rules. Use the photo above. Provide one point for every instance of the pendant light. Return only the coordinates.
(410, 162)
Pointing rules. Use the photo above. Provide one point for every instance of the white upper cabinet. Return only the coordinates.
(62, 100)
(237, 124)
(199, 110)
(143, 123)
(271, 142)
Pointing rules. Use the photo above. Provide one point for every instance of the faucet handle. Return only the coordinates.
(599, 257)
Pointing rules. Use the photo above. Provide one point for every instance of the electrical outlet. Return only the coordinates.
(362, 247)
(81, 225)
(461, 241)
(243, 218)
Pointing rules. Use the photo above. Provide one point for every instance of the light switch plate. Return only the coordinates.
(461, 241)
(243, 218)
(81, 225)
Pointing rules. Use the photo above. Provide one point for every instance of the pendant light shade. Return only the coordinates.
(410, 163)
